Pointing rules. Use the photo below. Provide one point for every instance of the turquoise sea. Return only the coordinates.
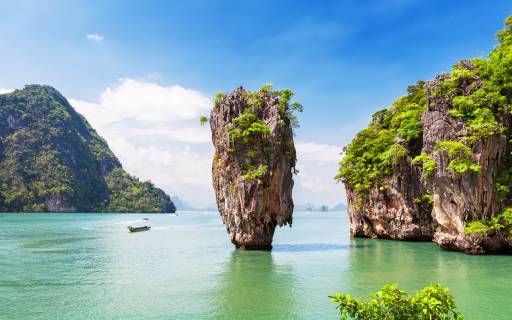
(87, 266)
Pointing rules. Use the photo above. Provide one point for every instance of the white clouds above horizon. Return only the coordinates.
(322, 153)
(155, 133)
(318, 164)
(5, 90)
(149, 110)
(95, 37)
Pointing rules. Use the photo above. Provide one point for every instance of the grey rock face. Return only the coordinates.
(459, 199)
(252, 208)
(56, 203)
(390, 211)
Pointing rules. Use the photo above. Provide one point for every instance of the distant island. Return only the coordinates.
(309, 206)
(52, 160)
(182, 205)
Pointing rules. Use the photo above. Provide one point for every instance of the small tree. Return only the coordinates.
(431, 303)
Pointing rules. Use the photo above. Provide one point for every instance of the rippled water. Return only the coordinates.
(87, 266)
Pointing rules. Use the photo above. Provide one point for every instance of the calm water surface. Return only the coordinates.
(87, 266)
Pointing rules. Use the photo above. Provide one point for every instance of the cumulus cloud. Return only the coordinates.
(5, 90)
(155, 132)
(95, 37)
(323, 153)
(317, 165)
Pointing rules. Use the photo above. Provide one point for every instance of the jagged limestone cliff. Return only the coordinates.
(52, 160)
(391, 210)
(469, 151)
(253, 163)
(384, 197)
(449, 141)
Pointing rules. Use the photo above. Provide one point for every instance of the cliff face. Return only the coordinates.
(437, 164)
(461, 198)
(393, 210)
(252, 166)
(52, 160)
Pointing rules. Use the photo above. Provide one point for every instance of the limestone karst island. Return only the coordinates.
(256, 160)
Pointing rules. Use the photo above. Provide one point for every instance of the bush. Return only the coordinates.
(255, 173)
(428, 164)
(249, 136)
(501, 223)
(427, 197)
(249, 129)
(460, 157)
(431, 303)
(375, 149)
(219, 96)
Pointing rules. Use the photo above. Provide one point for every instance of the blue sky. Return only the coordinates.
(344, 59)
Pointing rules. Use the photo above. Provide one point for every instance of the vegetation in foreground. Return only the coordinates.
(391, 303)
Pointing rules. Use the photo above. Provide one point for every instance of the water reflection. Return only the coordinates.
(415, 265)
(306, 247)
(253, 286)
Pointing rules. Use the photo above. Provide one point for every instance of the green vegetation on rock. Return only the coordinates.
(249, 136)
(249, 129)
(460, 157)
(427, 197)
(432, 302)
(218, 98)
(392, 135)
(52, 160)
(501, 223)
(128, 194)
(503, 185)
(428, 164)
(478, 108)
(255, 173)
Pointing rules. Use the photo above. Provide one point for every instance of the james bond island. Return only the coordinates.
(254, 162)
(438, 163)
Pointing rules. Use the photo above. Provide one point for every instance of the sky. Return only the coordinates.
(142, 72)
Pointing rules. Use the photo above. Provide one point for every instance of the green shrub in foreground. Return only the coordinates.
(431, 303)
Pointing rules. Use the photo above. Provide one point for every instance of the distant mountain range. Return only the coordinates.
(339, 207)
(182, 205)
(308, 206)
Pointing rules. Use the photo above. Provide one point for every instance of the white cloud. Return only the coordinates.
(154, 130)
(317, 165)
(5, 90)
(94, 37)
(311, 151)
